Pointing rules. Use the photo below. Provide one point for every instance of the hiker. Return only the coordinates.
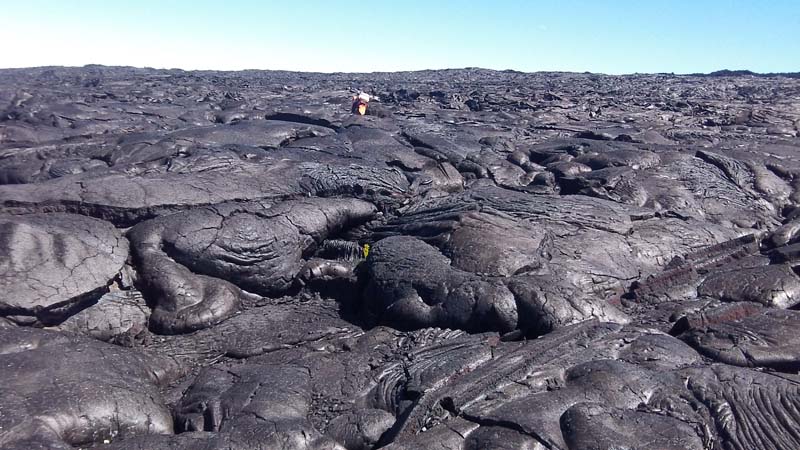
(360, 102)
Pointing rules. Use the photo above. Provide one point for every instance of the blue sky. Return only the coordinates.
(607, 36)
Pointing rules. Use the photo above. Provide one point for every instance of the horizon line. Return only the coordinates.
(719, 72)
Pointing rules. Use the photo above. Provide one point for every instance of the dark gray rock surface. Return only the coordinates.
(53, 264)
(233, 261)
(63, 389)
(116, 315)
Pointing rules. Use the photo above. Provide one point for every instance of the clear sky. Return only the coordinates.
(608, 36)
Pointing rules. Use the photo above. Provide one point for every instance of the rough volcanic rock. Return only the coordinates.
(543, 396)
(62, 390)
(115, 315)
(411, 285)
(193, 263)
(51, 265)
(485, 260)
(774, 285)
(596, 426)
(764, 339)
(267, 402)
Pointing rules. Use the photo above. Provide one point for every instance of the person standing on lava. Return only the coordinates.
(360, 102)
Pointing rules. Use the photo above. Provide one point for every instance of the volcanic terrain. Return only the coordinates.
(486, 260)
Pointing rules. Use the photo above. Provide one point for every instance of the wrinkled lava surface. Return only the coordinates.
(486, 260)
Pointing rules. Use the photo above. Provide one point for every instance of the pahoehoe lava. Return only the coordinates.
(485, 260)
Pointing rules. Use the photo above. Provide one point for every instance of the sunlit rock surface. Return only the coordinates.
(208, 260)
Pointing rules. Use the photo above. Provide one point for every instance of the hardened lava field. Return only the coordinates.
(485, 260)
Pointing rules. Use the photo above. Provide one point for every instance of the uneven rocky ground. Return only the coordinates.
(488, 260)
